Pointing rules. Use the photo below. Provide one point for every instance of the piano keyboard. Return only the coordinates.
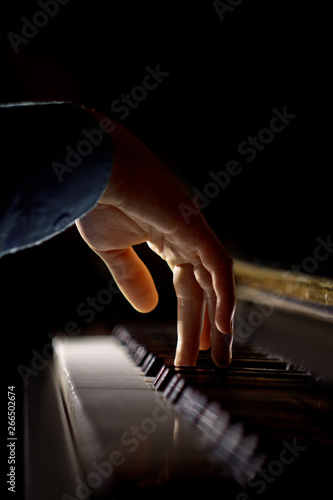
(139, 422)
(255, 389)
(128, 429)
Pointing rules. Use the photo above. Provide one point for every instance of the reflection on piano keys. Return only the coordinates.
(144, 423)
(129, 434)
(263, 426)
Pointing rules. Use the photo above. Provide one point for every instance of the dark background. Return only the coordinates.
(225, 79)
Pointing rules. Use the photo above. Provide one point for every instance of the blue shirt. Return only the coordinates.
(56, 162)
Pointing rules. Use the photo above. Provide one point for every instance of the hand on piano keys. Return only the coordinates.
(145, 203)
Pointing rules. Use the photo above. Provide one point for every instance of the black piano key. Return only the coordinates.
(237, 464)
(191, 404)
(174, 388)
(122, 334)
(132, 347)
(208, 419)
(255, 362)
(215, 433)
(260, 373)
(163, 378)
(140, 355)
(259, 392)
(146, 361)
(170, 386)
(153, 367)
(228, 442)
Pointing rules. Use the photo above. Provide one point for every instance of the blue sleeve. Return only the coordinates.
(56, 162)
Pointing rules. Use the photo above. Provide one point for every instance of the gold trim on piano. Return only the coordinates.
(288, 284)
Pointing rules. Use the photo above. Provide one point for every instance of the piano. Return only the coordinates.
(115, 418)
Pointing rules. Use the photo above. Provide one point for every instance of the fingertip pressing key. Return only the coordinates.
(221, 351)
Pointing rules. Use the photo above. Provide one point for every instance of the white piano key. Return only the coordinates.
(114, 411)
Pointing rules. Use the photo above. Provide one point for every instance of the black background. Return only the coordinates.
(225, 78)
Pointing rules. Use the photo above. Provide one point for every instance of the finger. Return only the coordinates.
(224, 286)
(132, 277)
(205, 333)
(219, 342)
(220, 348)
(220, 265)
(190, 315)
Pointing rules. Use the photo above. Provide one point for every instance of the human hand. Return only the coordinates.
(141, 204)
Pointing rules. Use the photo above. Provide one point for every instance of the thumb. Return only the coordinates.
(132, 277)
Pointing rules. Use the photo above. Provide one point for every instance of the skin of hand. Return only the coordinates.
(141, 204)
